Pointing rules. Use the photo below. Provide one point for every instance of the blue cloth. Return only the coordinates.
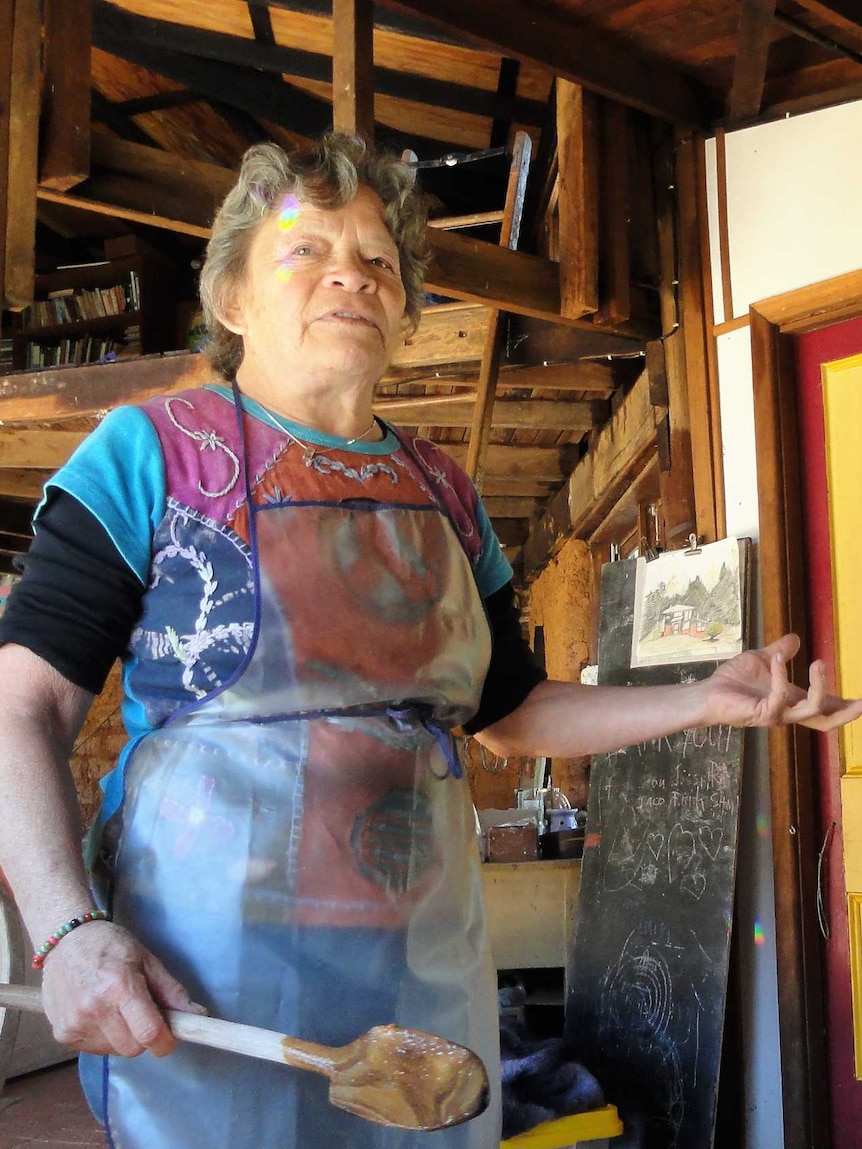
(541, 1081)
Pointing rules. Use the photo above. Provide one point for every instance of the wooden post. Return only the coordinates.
(6, 23)
(66, 110)
(486, 389)
(577, 153)
(353, 67)
(22, 155)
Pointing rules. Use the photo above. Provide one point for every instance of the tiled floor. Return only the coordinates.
(47, 1109)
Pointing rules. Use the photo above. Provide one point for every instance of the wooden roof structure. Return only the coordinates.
(571, 375)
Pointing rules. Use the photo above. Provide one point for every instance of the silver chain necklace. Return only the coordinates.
(311, 450)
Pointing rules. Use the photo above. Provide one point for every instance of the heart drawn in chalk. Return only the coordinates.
(693, 883)
(710, 839)
(654, 843)
(680, 851)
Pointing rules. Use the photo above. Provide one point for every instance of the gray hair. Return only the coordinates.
(328, 175)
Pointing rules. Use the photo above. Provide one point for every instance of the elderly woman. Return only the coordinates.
(306, 603)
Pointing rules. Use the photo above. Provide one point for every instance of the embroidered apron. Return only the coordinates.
(297, 847)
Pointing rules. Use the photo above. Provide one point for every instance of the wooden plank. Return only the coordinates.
(510, 506)
(756, 25)
(844, 14)
(794, 824)
(578, 203)
(65, 157)
(352, 67)
(36, 450)
(723, 225)
(448, 333)
(622, 449)
(695, 302)
(69, 392)
(483, 411)
(6, 24)
(97, 207)
(23, 154)
(677, 484)
(19, 484)
(614, 254)
(519, 414)
(597, 60)
(546, 464)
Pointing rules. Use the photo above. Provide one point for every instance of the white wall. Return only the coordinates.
(794, 203)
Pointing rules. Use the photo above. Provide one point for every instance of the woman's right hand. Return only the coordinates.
(103, 992)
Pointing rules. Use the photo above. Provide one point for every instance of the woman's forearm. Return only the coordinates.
(566, 719)
(40, 833)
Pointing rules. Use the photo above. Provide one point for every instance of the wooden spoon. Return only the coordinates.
(390, 1075)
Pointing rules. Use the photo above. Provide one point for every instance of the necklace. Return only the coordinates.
(310, 450)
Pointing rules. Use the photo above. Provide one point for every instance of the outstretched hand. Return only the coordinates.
(753, 689)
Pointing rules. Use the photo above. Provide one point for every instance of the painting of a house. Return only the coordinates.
(688, 606)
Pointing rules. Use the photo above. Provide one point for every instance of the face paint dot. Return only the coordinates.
(759, 936)
(762, 823)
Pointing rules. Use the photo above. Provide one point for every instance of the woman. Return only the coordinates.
(302, 598)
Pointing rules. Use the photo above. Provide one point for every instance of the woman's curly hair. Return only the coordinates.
(328, 175)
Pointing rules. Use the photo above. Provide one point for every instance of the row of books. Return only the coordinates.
(72, 304)
(6, 355)
(86, 349)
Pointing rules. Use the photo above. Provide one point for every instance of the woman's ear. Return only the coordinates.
(230, 312)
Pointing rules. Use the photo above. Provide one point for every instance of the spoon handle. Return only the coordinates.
(266, 1044)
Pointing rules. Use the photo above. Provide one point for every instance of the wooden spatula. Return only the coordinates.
(390, 1075)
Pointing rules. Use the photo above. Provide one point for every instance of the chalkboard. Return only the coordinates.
(648, 983)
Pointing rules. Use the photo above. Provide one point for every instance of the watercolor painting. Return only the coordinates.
(688, 606)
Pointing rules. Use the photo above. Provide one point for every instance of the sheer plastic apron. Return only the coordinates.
(298, 847)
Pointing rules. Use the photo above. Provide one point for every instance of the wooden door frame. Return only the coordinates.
(782, 567)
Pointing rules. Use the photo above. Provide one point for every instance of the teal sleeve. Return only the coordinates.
(492, 570)
(118, 474)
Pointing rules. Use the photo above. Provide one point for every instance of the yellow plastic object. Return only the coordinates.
(566, 1131)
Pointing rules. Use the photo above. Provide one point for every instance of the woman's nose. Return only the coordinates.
(350, 272)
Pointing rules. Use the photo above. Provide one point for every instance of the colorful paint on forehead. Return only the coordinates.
(759, 936)
(762, 823)
(289, 212)
(287, 217)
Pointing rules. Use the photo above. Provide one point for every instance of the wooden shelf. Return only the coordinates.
(77, 327)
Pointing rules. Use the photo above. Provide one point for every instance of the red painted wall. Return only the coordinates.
(812, 350)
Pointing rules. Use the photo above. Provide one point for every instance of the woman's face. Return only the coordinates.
(322, 296)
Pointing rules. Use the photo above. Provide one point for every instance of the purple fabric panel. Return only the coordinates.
(203, 452)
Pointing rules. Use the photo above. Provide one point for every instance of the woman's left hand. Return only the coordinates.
(753, 689)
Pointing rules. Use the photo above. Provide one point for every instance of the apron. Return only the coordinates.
(298, 846)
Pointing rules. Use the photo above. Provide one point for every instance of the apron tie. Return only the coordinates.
(416, 713)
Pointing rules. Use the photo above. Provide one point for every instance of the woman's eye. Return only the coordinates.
(382, 261)
(303, 249)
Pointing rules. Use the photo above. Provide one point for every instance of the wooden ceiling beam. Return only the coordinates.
(596, 60)
(65, 159)
(36, 450)
(756, 25)
(6, 26)
(620, 451)
(578, 202)
(21, 484)
(353, 67)
(518, 414)
(196, 58)
(843, 14)
(20, 83)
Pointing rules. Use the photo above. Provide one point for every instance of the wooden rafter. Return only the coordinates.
(844, 14)
(578, 200)
(22, 140)
(352, 67)
(576, 52)
(65, 159)
(510, 228)
(621, 450)
(756, 25)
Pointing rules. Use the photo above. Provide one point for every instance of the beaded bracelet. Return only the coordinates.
(66, 928)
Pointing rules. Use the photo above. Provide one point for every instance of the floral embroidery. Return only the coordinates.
(209, 441)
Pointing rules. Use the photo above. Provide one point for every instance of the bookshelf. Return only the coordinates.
(118, 307)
